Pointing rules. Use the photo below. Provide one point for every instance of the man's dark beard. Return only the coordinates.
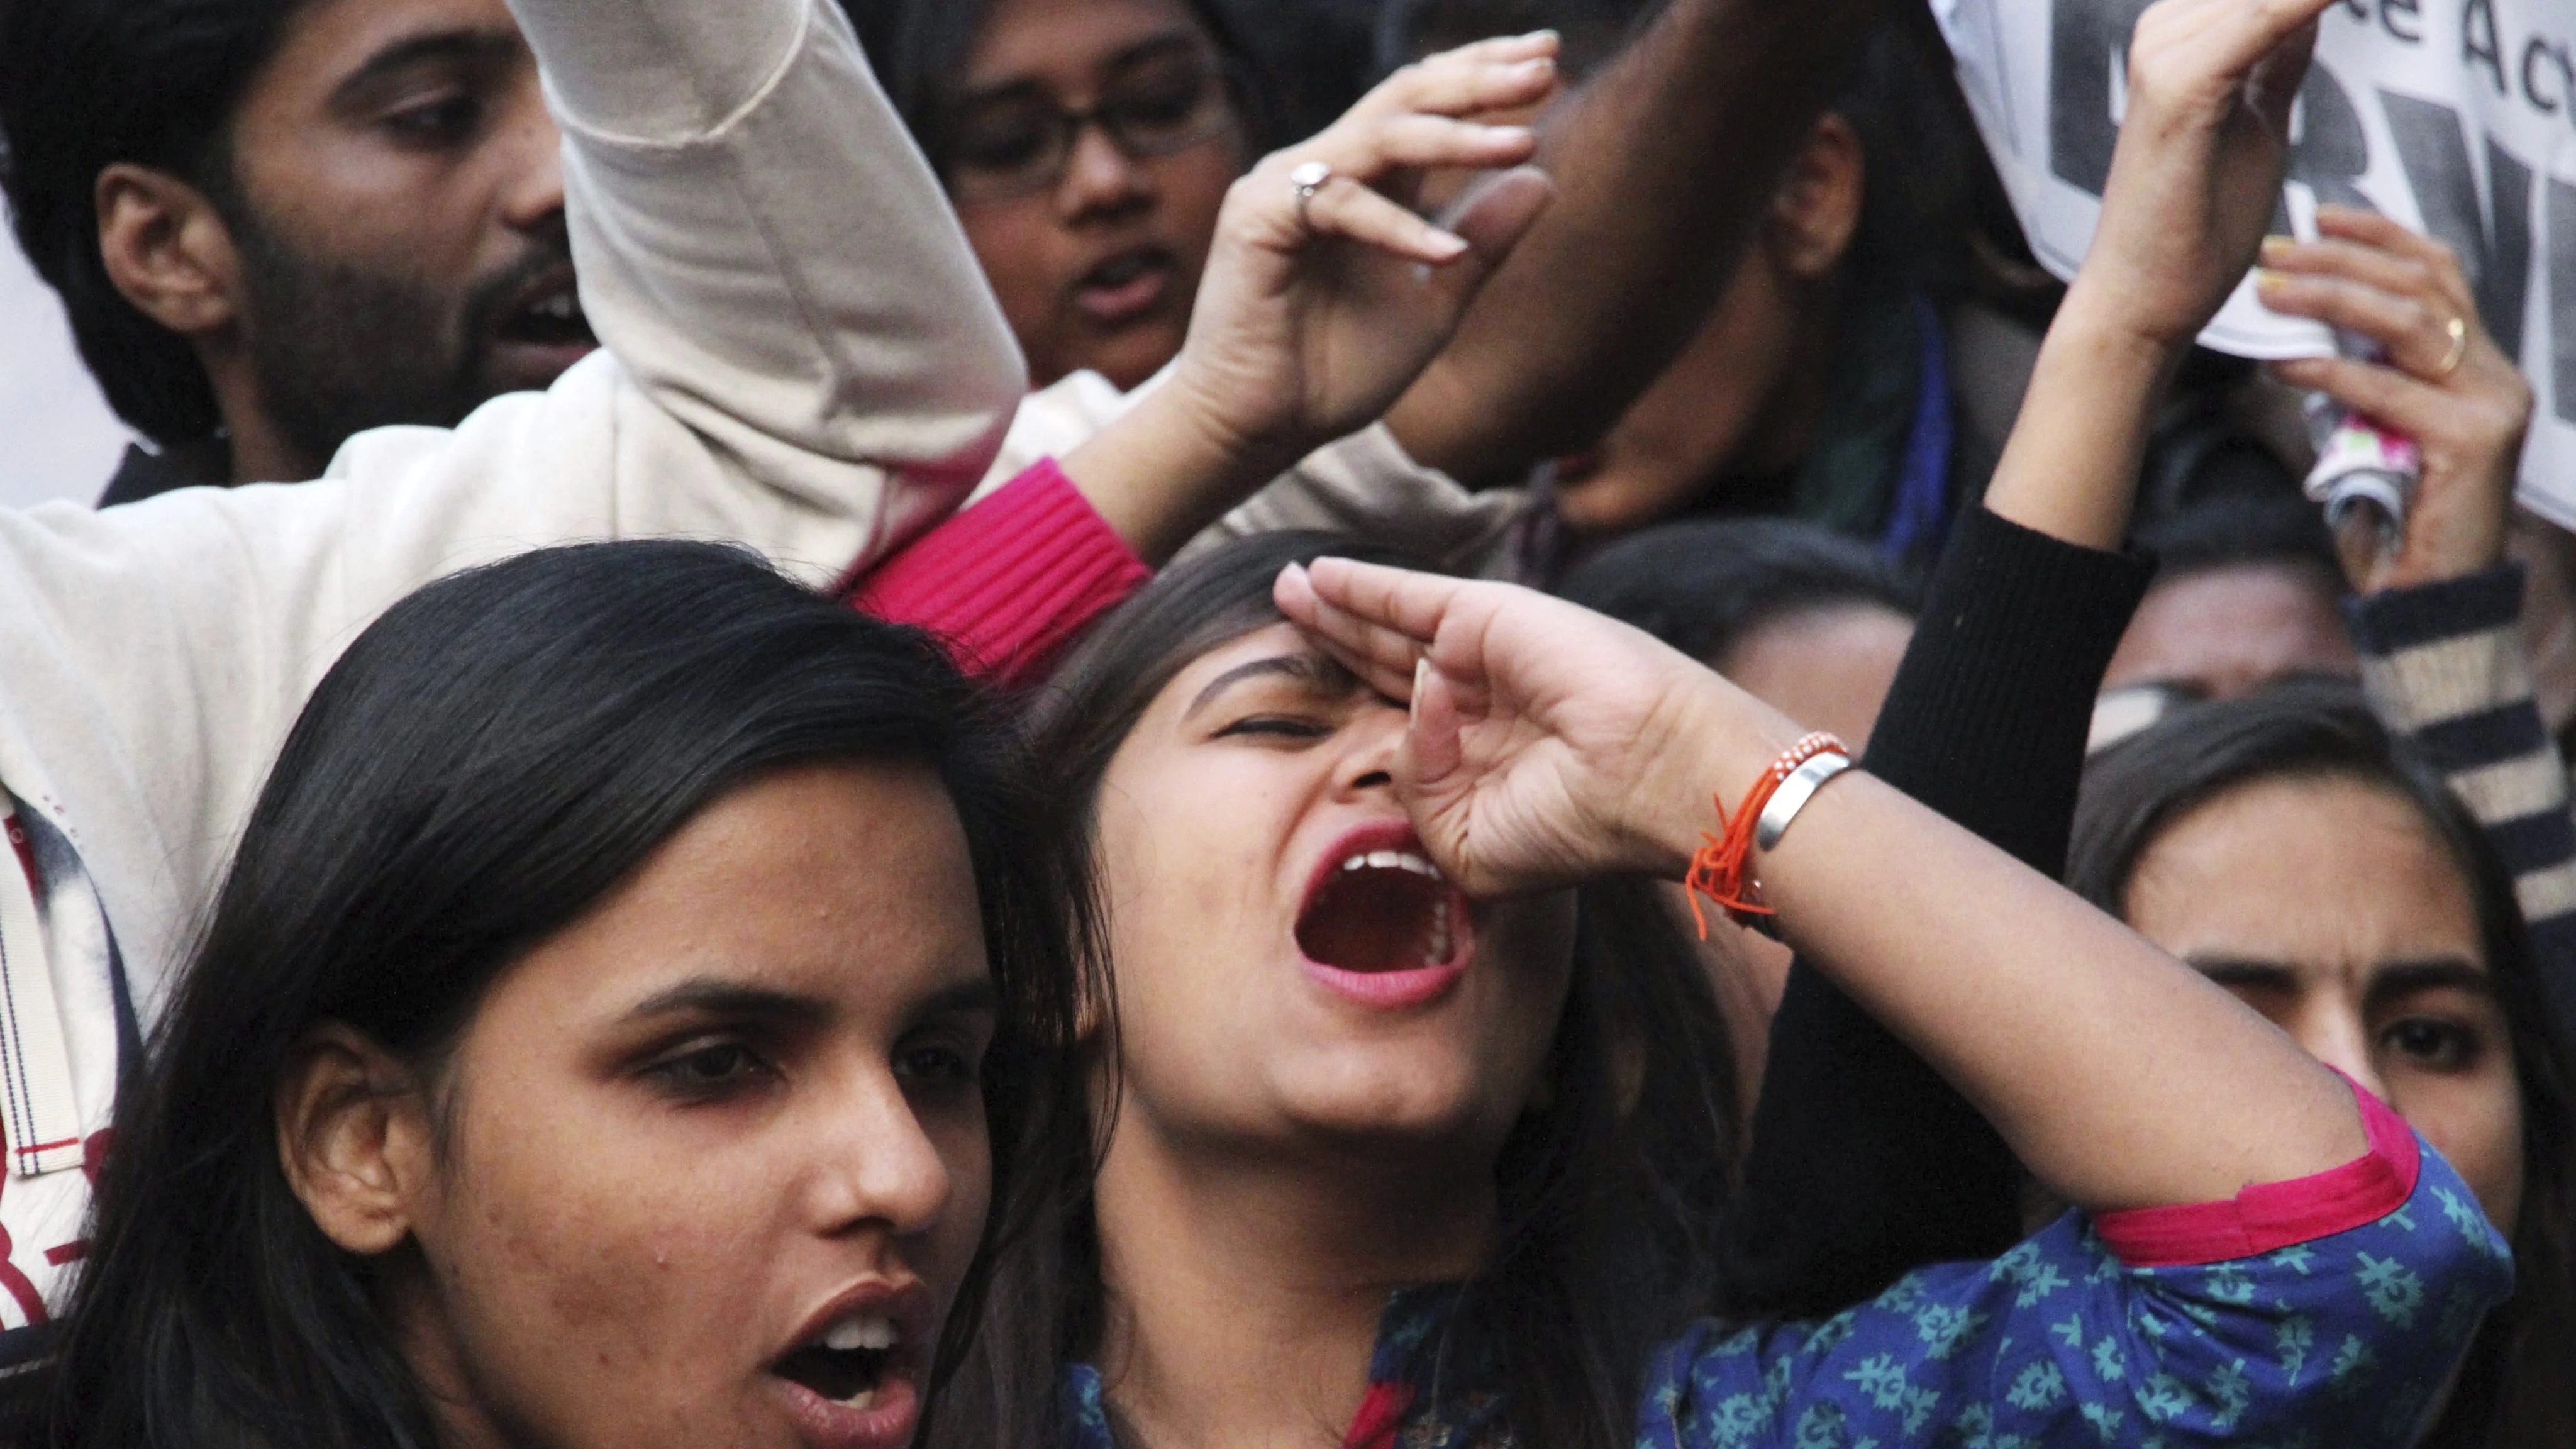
(338, 349)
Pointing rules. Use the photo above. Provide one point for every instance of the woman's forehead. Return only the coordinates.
(1072, 41)
(2317, 876)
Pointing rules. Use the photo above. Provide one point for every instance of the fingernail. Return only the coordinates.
(1421, 674)
(2267, 280)
(2277, 247)
(1546, 33)
(1536, 65)
(1445, 246)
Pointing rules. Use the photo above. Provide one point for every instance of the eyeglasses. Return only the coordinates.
(1018, 142)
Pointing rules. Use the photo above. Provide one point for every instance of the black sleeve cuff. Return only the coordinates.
(2400, 619)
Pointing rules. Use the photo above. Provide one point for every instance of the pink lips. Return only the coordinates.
(1388, 990)
(886, 1424)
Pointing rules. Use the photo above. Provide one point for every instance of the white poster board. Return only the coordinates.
(2454, 117)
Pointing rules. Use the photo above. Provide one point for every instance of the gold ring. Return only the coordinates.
(2459, 329)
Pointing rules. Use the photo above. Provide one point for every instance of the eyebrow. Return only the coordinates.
(2405, 978)
(467, 46)
(2392, 979)
(1313, 670)
(709, 996)
(966, 998)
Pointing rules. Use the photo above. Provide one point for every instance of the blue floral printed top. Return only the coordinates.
(2337, 1326)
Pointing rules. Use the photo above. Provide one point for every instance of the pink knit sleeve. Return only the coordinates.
(1008, 581)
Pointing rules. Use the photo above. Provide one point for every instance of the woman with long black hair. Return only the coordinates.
(638, 976)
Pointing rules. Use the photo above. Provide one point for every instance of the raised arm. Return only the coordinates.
(800, 356)
(1863, 1164)
(2438, 617)
(2245, 1205)
(763, 249)
(2191, 188)
(1664, 166)
(1549, 745)
(1318, 306)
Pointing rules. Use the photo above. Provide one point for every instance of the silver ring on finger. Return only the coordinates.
(1308, 178)
(2459, 330)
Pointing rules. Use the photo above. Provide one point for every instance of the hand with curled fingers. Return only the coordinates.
(1325, 295)
(2440, 379)
(2196, 174)
(1548, 744)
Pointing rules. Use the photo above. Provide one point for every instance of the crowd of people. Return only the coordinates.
(1126, 723)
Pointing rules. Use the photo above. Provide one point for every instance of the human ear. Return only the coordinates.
(166, 249)
(1816, 210)
(353, 1138)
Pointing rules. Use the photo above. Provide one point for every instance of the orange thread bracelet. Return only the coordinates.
(1721, 870)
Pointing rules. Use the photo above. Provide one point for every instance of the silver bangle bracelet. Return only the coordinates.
(1793, 795)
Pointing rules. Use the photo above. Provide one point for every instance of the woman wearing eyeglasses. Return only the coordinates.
(1088, 145)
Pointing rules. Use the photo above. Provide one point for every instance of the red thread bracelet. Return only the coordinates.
(1721, 870)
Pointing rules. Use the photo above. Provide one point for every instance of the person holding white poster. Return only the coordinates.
(2450, 117)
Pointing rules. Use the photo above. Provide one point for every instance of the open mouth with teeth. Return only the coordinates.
(849, 1364)
(1379, 912)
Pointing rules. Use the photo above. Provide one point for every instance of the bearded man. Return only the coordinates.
(278, 223)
